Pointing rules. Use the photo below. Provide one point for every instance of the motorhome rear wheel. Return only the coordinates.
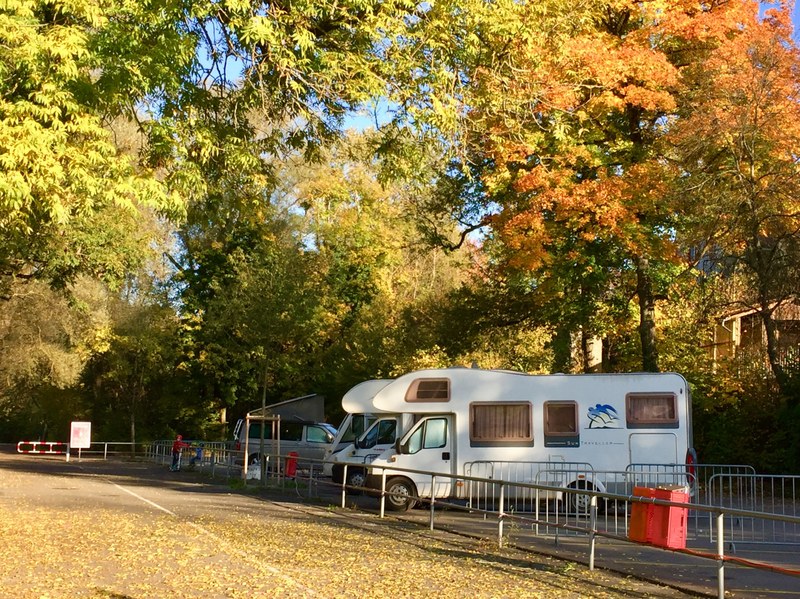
(579, 504)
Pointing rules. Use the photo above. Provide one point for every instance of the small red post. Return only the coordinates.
(291, 464)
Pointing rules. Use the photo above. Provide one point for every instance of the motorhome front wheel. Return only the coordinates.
(400, 494)
(356, 479)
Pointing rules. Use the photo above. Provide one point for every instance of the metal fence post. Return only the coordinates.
(344, 485)
(501, 515)
(433, 497)
(721, 555)
(592, 529)
(383, 493)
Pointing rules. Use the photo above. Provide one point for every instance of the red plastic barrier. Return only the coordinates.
(662, 525)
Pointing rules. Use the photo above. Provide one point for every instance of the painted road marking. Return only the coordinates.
(201, 529)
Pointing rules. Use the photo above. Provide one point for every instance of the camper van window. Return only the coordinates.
(358, 424)
(291, 431)
(561, 424)
(651, 410)
(500, 424)
(435, 433)
(431, 435)
(560, 417)
(386, 432)
(255, 430)
(428, 390)
(317, 434)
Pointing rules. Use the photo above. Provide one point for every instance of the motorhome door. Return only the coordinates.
(654, 448)
(429, 447)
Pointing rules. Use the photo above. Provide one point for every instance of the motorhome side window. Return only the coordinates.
(428, 390)
(432, 434)
(501, 424)
(651, 410)
(561, 424)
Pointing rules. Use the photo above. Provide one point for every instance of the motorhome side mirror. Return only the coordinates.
(398, 447)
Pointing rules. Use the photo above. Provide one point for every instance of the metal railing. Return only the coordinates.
(757, 493)
(588, 522)
(219, 459)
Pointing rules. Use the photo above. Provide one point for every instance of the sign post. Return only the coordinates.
(80, 437)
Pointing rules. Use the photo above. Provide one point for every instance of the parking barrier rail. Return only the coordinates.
(53, 447)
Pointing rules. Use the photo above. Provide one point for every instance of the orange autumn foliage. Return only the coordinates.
(582, 149)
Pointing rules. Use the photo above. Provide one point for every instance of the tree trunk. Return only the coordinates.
(647, 315)
(772, 350)
(561, 345)
(133, 432)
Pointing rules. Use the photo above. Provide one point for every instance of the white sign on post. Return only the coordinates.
(80, 436)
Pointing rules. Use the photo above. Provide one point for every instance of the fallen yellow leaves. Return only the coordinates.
(261, 549)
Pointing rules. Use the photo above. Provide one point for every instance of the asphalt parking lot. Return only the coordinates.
(132, 529)
(682, 570)
(683, 575)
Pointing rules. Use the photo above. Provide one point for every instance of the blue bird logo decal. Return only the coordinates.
(603, 416)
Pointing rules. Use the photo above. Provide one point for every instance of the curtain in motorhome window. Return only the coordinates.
(652, 410)
(561, 424)
(507, 423)
(428, 390)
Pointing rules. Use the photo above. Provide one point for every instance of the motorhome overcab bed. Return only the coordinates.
(472, 422)
(357, 404)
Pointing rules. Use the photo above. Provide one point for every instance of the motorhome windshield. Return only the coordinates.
(381, 432)
(356, 426)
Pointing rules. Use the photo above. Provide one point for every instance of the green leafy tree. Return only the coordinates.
(68, 199)
(45, 342)
(135, 388)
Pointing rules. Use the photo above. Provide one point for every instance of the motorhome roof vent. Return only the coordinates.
(428, 390)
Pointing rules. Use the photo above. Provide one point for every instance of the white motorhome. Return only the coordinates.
(380, 436)
(357, 403)
(470, 422)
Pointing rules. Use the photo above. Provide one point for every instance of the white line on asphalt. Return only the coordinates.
(273, 570)
(147, 501)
